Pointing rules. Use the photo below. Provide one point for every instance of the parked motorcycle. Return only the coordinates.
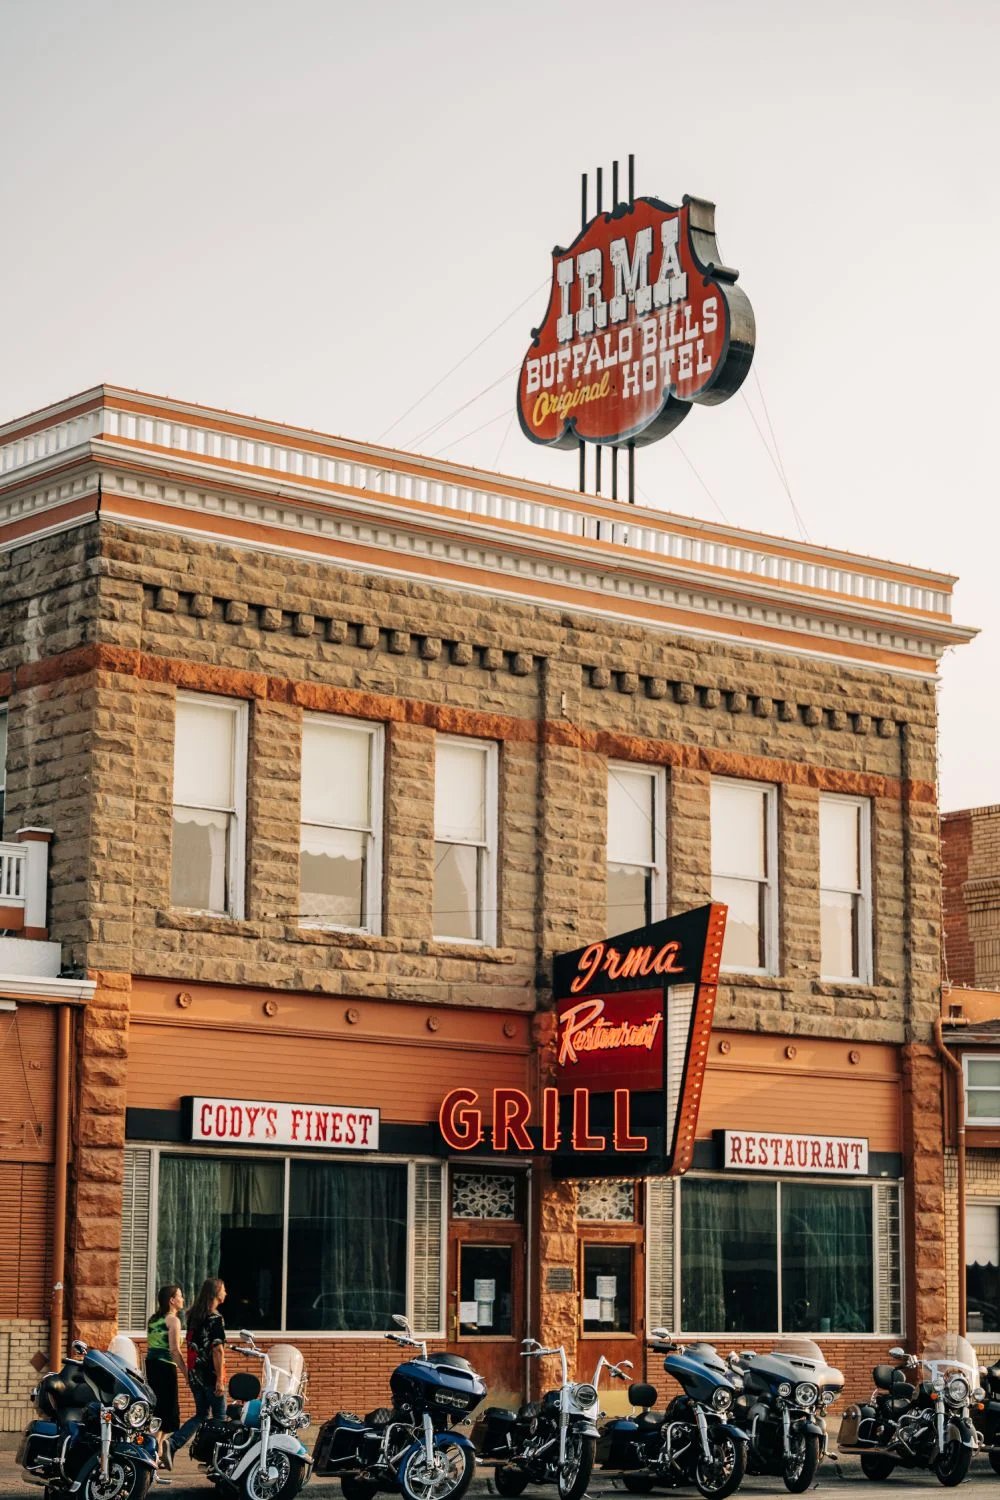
(918, 1423)
(411, 1448)
(255, 1451)
(783, 1406)
(694, 1441)
(986, 1415)
(94, 1437)
(551, 1441)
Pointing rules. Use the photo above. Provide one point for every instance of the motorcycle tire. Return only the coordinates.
(726, 1472)
(800, 1475)
(448, 1483)
(574, 1477)
(876, 1465)
(994, 1458)
(954, 1463)
(126, 1481)
(508, 1481)
(353, 1488)
(283, 1480)
(638, 1484)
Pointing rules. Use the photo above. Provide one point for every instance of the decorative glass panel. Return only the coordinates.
(601, 1199)
(483, 1195)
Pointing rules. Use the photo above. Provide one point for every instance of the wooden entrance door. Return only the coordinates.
(486, 1277)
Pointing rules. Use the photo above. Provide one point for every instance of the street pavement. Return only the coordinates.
(189, 1483)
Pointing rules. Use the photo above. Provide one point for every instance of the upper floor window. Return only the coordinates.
(636, 847)
(845, 888)
(982, 1090)
(744, 872)
(3, 762)
(210, 750)
(340, 856)
(465, 840)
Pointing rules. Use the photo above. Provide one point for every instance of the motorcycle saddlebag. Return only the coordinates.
(336, 1450)
(39, 1446)
(211, 1433)
(614, 1443)
(490, 1434)
(857, 1428)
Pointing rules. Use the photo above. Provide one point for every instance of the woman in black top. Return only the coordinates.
(206, 1359)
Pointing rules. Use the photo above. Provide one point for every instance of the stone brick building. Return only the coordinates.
(338, 747)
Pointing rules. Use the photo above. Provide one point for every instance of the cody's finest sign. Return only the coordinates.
(643, 319)
(764, 1151)
(633, 1017)
(265, 1122)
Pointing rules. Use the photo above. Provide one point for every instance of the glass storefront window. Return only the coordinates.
(607, 1288)
(729, 1256)
(826, 1259)
(982, 1267)
(346, 1246)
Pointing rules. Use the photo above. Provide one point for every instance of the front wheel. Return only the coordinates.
(279, 1479)
(574, 1476)
(953, 1465)
(509, 1481)
(876, 1465)
(723, 1471)
(802, 1463)
(447, 1478)
(125, 1481)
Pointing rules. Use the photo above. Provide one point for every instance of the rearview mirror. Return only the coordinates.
(246, 1334)
(400, 1321)
(626, 1364)
(897, 1353)
(661, 1333)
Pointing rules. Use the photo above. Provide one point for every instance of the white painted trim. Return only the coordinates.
(987, 1122)
(24, 987)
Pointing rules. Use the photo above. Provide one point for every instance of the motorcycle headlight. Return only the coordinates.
(287, 1409)
(979, 1394)
(137, 1414)
(957, 1390)
(828, 1397)
(120, 1402)
(737, 1382)
(806, 1393)
(155, 1424)
(584, 1397)
(784, 1389)
(722, 1398)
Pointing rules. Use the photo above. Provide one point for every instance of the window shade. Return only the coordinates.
(630, 817)
(336, 775)
(203, 755)
(839, 844)
(459, 793)
(738, 842)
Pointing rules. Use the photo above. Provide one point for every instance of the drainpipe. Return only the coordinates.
(953, 1063)
(60, 1175)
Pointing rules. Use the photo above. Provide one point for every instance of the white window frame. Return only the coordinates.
(977, 1336)
(864, 895)
(376, 779)
(4, 714)
(658, 866)
(237, 843)
(771, 950)
(988, 1122)
(490, 750)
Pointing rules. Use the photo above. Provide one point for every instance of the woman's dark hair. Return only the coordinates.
(202, 1305)
(163, 1298)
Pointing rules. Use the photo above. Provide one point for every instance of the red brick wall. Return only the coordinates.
(956, 851)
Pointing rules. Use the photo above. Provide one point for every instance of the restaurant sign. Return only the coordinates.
(823, 1155)
(643, 320)
(266, 1122)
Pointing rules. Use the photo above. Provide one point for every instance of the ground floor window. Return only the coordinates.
(982, 1267)
(785, 1256)
(302, 1244)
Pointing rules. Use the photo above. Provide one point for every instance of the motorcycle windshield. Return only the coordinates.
(952, 1352)
(800, 1349)
(109, 1378)
(287, 1366)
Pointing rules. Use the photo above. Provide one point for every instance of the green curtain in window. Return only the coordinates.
(189, 1239)
(346, 1246)
(728, 1256)
(826, 1259)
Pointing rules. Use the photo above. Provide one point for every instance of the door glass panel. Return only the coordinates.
(486, 1291)
(607, 1288)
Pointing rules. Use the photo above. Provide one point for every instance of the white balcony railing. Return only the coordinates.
(13, 874)
(24, 877)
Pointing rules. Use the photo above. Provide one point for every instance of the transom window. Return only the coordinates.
(636, 847)
(744, 872)
(845, 888)
(340, 854)
(982, 1090)
(465, 840)
(207, 860)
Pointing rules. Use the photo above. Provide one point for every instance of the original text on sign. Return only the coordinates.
(264, 1122)
(763, 1151)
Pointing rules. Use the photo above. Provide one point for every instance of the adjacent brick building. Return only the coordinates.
(327, 736)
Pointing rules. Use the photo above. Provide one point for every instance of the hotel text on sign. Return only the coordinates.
(763, 1151)
(265, 1122)
(643, 320)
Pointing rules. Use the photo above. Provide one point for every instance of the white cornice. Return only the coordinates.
(26, 987)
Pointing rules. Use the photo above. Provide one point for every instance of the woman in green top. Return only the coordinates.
(164, 1359)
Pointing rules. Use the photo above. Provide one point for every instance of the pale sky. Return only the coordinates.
(310, 211)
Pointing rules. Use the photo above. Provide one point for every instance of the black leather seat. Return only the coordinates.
(651, 1419)
(499, 1414)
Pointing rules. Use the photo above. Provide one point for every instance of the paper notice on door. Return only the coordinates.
(607, 1306)
(607, 1286)
(592, 1309)
(484, 1291)
(468, 1312)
